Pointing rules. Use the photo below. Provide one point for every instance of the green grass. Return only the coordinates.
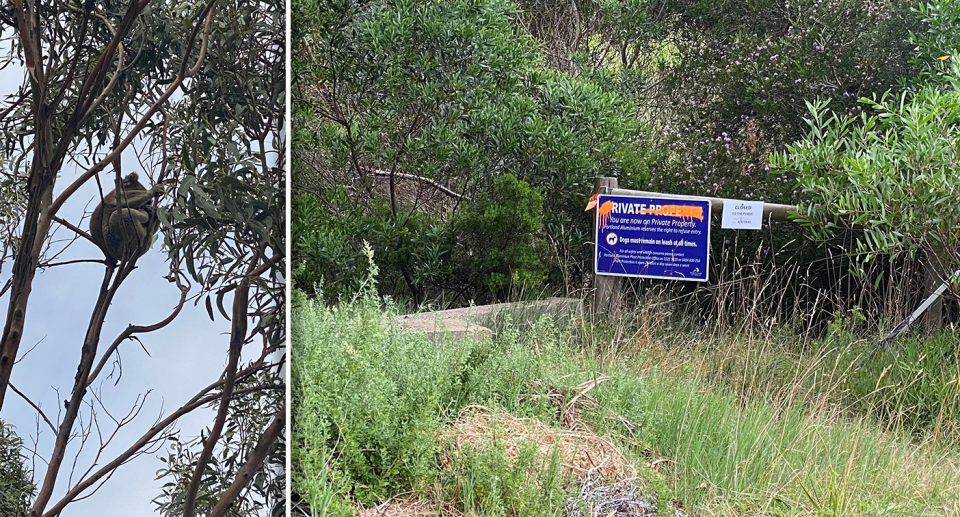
(748, 425)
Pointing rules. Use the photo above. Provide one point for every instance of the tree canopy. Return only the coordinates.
(406, 113)
(193, 94)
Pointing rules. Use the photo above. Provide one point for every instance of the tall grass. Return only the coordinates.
(762, 424)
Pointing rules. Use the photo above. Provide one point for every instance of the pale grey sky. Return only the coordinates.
(184, 356)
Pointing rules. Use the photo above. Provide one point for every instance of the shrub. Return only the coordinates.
(499, 240)
(890, 174)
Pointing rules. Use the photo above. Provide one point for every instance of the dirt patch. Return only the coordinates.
(582, 453)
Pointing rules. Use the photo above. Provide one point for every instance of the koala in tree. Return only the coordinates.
(124, 225)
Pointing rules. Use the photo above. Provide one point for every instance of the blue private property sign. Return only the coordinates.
(649, 237)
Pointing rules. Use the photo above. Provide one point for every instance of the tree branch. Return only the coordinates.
(238, 334)
(254, 461)
(197, 401)
(77, 230)
(87, 353)
(35, 407)
(138, 329)
(421, 179)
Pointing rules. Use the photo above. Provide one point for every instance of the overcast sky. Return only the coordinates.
(184, 356)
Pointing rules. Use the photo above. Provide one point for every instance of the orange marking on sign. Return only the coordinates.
(604, 212)
(681, 211)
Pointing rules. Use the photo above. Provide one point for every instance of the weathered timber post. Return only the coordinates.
(606, 289)
(934, 274)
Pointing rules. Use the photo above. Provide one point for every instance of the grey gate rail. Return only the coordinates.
(606, 289)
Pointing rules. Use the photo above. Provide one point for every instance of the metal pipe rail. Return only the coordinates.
(771, 211)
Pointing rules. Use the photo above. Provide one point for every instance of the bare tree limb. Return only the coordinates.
(197, 401)
(35, 407)
(77, 230)
(138, 329)
(87, 354)
(421, 179)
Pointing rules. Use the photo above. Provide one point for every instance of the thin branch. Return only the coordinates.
(87, 353)
(421, 179)
(138, 329)
(197, 401)
(77, 230)
(36, 407)
(116, 75)
(76, 261)
(262, 268)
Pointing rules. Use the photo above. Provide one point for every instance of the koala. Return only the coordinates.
(124, 226)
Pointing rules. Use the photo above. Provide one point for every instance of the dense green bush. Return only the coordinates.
(891, 174)
(393, 98)
(495, 245)
(368, 401)
(744, 69)
(498, 238)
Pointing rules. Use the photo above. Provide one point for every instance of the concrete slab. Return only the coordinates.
(476, 322)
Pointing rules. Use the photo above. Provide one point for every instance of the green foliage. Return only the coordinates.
(325, 262)
(367, 401)
(938, 44)
(460, 103)
(890, 174)
(744, 71)
(498, 237)
(353, 405)
(16, 483)
(421, 255)
(230, 201)
(330, 234)
(488, 482)
(744, 431)
(681, 97)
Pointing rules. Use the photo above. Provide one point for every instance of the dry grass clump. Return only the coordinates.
(408, 508)
(580, 452)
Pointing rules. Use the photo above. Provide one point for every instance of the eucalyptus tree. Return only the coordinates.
(195, 92)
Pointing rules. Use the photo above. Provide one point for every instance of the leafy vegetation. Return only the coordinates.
(401, 111)
(464, 157)
(191, 97)
(408, 111)
(722, 425)
(16, 481)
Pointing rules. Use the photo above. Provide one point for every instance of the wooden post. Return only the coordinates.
(606, 289)
(933, 275)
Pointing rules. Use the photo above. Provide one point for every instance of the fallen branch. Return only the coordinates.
(421, 179)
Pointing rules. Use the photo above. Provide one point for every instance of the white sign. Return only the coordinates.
(742, 215)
